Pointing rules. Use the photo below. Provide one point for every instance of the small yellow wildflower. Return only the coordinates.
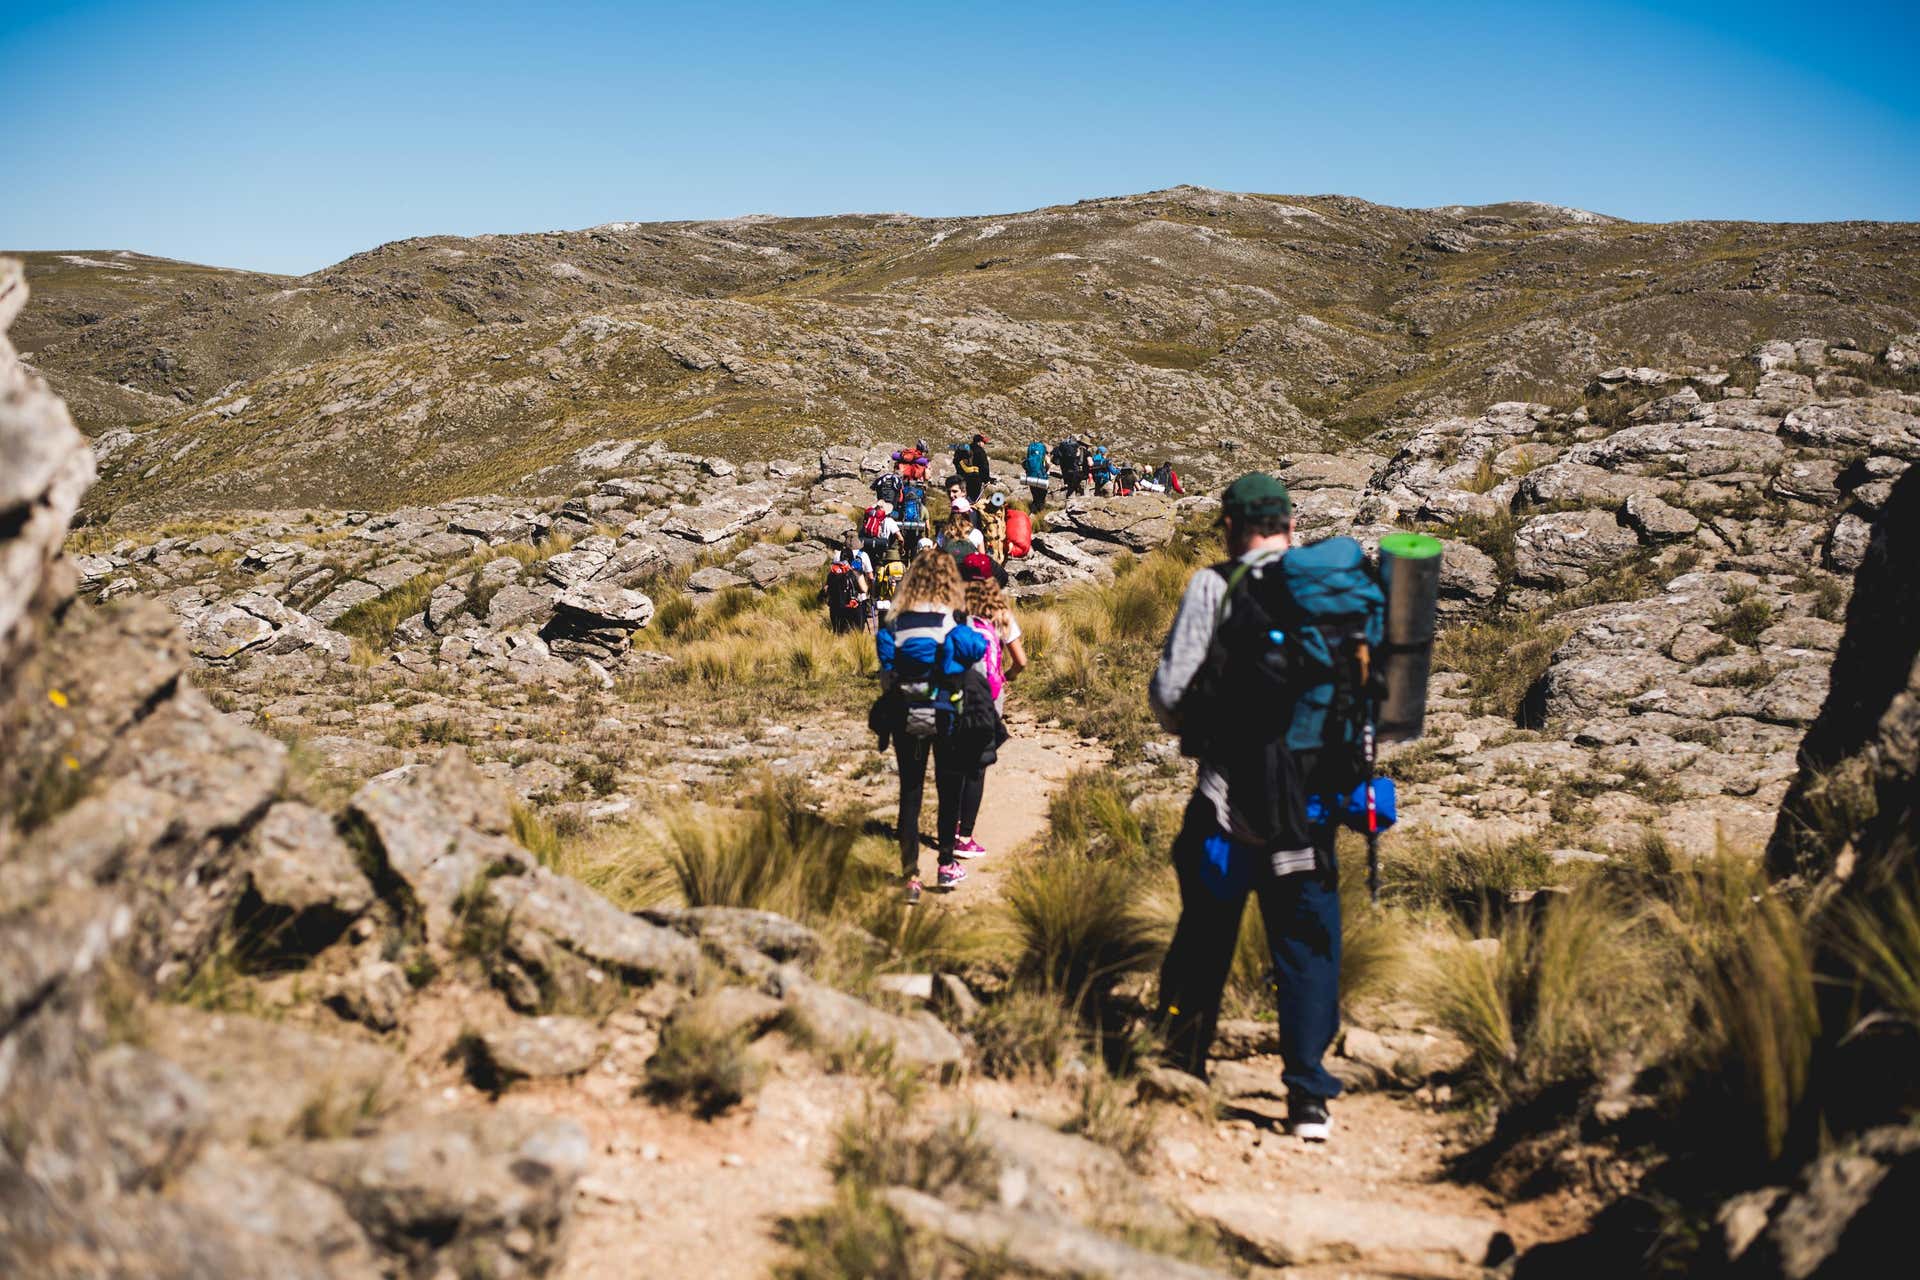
(57, 698)
(72, 763)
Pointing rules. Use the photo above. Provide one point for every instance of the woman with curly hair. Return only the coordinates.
(925, 649)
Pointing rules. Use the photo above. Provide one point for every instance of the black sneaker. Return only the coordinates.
(1307, 1118)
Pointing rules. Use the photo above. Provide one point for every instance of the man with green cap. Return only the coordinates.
(1223, 852)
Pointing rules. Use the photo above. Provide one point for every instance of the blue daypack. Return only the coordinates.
(913, 504)
(1037, 461)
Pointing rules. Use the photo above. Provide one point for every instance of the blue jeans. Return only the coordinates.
(1302, 917)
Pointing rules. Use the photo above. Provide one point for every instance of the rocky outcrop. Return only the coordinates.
(45, 468)
(145, 848)
(1852, 807)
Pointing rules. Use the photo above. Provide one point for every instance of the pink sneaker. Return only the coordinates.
(968, 848)
(951, 874)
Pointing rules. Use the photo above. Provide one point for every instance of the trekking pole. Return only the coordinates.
(1373, 817)
(1367, 750)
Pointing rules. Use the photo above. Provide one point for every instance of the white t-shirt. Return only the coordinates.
(862, 563)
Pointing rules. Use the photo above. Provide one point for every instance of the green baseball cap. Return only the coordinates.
(1256, 494)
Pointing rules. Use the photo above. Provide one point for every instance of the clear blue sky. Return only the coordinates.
(286, 136)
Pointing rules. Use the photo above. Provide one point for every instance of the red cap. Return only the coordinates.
(977, 567)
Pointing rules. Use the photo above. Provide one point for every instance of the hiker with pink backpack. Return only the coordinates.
(988, 613)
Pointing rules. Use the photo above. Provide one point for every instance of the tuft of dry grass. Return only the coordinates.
(708, 1068)
(1547, 996)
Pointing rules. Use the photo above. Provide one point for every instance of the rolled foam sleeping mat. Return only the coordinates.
(1410, 572)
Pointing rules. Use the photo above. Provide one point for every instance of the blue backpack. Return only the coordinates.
(1036, 461)
(913, 504)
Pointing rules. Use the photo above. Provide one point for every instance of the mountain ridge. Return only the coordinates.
(1165, 321)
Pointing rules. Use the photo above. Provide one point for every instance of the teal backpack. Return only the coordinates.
(1036, 461)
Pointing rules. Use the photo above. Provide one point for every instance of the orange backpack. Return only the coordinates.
(1019, 533)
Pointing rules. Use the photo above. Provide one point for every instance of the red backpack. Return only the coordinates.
(876, 521)
(1019, 533)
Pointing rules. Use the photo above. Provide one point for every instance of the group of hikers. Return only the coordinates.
(865, 575)
(1271, 676)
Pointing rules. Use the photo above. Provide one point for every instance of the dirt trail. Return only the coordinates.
(1013, 816)
(669, 1194)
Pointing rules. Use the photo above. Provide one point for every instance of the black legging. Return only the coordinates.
(948, 775)
(973, 786)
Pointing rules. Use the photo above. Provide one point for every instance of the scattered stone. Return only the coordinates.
(536, 1049)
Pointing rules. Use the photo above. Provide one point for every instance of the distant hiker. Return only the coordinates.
(925, 649)
(978, 472)
(845, 593)
(978, 566)
(911, 462)
(1124, 481)
(913, 515)
(1071, 457)
(863, 565)
(1034, 473)
(1101, 469)
(886, 487)
(993, 524)
(879, 530)
(962, 537)
(1165, 479)
(1268, 747)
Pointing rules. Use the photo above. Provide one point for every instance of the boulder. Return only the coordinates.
(1565, 548)
(602, 604)
(1035, 1244)
(438, 831)
(258, 1198)
(1138, 522)
(721, 517)
(1655, 521)
(298, 863)
(1319, 1229)
(1855, 425)
(1866, 735)
(729, 1011)
(547, 914)
(335, 604)
(536, 1049)
(514, 605)
(1846, 1214)
(1579, 483)
(846, 1023)
(486, 1193)
(375, 993)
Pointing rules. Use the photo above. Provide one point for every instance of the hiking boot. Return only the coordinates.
(913, 890)
(968, 847)
(951, 874)
(1307, 1118)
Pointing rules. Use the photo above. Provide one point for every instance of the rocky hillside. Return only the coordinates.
(442, 368)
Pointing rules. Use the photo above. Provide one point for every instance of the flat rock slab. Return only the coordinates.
(440, 830)
(298, 861)
(1297, 1230)
(543, 909)
(487, 1193)
(845, 1022)
(1036, 1244)
(770, 933)
(271, 1080)
(541, 1048)
(1139, 521)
